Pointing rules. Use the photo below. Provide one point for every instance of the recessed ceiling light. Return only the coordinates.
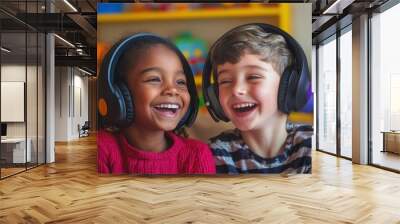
(84, 71)
(5, 50)
(64, 40)
(337, 7)
(70, 5)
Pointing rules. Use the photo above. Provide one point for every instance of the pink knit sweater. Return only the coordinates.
(185, 156)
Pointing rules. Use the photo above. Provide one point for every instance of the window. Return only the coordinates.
(327, 96)
(346, 93)
(385, 89)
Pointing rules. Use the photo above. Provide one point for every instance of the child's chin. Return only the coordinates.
(168, 127)
(242, 127)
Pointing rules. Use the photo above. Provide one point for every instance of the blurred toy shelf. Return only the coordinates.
(197, 80)
(281, 11)
(301, 117)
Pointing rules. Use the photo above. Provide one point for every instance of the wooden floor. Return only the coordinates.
(387, 159)
(70, 191)
(10, 171)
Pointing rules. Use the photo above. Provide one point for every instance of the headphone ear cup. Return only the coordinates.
(128, 103)
(212, 92)
(303, 87)
(283, 91)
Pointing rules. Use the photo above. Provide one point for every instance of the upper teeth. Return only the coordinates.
(242, 105)
(168, 105)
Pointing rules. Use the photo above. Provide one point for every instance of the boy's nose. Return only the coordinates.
(239, 89)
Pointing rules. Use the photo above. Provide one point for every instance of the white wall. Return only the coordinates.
(16, 73)
(71, 93)
(80, 102)
(61, 103)
(33, 126)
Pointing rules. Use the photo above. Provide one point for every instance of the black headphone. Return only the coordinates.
(293, 86)
(116, 106)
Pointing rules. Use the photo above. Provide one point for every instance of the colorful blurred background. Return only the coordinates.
(193, 27)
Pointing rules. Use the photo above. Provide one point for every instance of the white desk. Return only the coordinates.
(17, 147)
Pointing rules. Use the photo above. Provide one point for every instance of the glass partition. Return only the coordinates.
(31, 97)
(22, 90)
(346, 93)
(14, 153)
(41, 96)
(327, 96)
(385, 89)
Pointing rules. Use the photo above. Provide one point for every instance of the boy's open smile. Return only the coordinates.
(244, 109)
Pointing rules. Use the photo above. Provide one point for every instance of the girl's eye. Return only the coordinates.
(181, 82)
(153, 79)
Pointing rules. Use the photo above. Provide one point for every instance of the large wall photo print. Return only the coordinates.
(200, 88)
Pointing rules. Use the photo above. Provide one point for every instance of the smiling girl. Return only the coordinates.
(152, 71)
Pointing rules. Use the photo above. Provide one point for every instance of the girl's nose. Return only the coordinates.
(170, 90)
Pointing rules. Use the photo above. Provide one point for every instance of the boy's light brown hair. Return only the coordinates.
(251, 39)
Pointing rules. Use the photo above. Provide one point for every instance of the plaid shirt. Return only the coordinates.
(233, 156)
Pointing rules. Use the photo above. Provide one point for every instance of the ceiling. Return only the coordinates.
(79, 27)
(76, 24)
(331, 15)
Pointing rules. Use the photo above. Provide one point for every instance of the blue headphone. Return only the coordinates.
(115, 104)
(293, 86)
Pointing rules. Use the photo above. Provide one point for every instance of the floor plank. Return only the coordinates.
(71, 191)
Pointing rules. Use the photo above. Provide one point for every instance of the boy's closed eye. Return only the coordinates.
(224, 78)
(250, 77)
(224, 81)
(254, 77)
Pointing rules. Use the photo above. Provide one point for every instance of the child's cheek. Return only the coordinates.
(223, 99)
(268, 99)
(186, 99)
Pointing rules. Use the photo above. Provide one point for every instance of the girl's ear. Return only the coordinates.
(181, 132)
